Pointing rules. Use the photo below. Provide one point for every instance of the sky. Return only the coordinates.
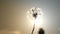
(13, 18)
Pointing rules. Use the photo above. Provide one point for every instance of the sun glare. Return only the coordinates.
(38, 21)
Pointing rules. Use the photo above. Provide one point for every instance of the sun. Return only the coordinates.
(39, 18)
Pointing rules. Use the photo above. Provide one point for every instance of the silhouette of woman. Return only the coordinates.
(41, 31)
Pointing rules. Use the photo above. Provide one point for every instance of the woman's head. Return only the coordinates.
(41, 31)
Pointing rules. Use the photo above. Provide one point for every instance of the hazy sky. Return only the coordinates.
(13, 16)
